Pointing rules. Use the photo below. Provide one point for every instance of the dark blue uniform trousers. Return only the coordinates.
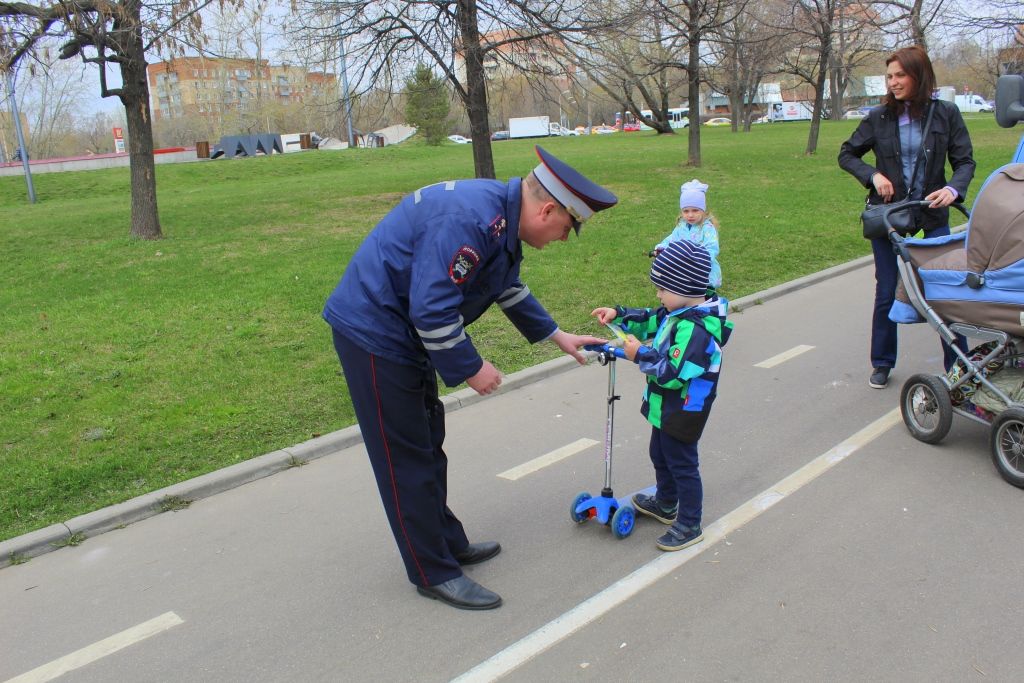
(883, 330)
(677, 474)
(402, 422)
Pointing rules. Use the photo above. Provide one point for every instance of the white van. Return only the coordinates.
(972, 103)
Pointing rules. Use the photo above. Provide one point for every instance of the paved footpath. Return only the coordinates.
(837, 547)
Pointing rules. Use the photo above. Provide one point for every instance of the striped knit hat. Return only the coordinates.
(682, 268)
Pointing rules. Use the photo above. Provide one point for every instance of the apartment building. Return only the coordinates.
(536, 56)
(206, 86)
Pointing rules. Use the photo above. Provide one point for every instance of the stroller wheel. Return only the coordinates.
(1007, 444)
(926, 407)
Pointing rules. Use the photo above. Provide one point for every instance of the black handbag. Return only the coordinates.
(903, 221)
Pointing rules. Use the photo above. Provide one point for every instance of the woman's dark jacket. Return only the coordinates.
(879, 132)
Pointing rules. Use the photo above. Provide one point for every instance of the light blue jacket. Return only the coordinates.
(705, 235)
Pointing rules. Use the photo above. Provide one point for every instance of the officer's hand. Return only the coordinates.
(571, 343)
(604, 314)
(486, 380)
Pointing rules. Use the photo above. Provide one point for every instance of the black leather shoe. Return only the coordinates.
(463, 593)
(475, 553)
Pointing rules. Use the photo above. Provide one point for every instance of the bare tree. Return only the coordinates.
(814, 24)
(50, 94)
(745, 51)
(697, 20)
(908, 21)
(94, 133)
(639, 64)
(115, 33)
(856, 42)
(383, 40)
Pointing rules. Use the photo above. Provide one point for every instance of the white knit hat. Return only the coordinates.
(692, 194)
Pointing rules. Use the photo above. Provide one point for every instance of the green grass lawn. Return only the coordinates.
(126, 366)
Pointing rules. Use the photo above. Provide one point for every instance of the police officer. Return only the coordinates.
(431, 267)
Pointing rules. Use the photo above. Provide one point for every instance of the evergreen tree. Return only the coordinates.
(427, 104)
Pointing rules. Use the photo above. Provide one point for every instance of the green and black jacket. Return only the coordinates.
(682, 358)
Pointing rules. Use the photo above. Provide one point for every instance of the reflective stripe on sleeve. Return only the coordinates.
(451, 343)
(512, 296)
(443, 337)
(441, 331)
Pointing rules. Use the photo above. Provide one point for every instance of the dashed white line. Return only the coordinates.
(561, 627)
(107, 646)
(542, 461)
(784, 356)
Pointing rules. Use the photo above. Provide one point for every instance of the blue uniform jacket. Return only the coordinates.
(431, 267)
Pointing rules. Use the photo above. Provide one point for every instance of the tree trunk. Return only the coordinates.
(693, 89)
(476, 89)
(819, 100)
(135, 98)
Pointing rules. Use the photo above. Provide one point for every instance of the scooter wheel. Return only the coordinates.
(622, 521)
(580, 517)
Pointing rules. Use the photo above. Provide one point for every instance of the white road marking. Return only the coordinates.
(784, 356)
(107, 646)
(594, 608)
(542, 461)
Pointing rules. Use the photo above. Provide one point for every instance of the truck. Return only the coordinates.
(529, 127)
(972, 103)
(558, 129)
(791, 111)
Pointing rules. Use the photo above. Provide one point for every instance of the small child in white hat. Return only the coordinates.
(696, 225)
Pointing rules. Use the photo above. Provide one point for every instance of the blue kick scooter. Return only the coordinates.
(606, 508)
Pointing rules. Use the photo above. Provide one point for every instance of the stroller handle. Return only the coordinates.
(890, 209)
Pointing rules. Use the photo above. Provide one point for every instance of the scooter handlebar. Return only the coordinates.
(605, 348)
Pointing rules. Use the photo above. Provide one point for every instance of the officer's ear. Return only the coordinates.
(550, 207)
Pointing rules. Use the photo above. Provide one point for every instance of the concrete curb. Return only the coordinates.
(74, 531)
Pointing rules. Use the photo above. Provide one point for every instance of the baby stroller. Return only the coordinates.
(971, 283)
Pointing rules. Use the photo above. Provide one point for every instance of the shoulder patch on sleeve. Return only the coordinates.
(463, 263)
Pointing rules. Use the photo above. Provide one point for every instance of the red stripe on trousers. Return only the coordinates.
(391, 470)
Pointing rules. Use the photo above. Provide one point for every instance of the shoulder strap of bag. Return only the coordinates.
(922, 149)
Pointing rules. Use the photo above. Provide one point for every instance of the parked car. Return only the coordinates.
(459, 139)
(854, 114)
(631, 127)
(718, 121)
(762, 119)
(499, 135)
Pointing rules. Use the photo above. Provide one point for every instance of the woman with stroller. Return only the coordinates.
(911, 135)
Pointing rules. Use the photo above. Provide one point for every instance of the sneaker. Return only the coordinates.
(678, 537)
(879, 378)
(649, 505)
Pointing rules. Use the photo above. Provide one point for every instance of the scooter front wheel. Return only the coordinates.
(623, 521)
(580, 517)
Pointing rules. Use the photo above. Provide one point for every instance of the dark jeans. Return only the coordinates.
(677, 475)
(883, 330)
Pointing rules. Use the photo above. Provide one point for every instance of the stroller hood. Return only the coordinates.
(995, 233)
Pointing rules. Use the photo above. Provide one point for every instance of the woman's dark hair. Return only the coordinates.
(916, 64)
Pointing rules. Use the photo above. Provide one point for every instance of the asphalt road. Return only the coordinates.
(837, 547)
